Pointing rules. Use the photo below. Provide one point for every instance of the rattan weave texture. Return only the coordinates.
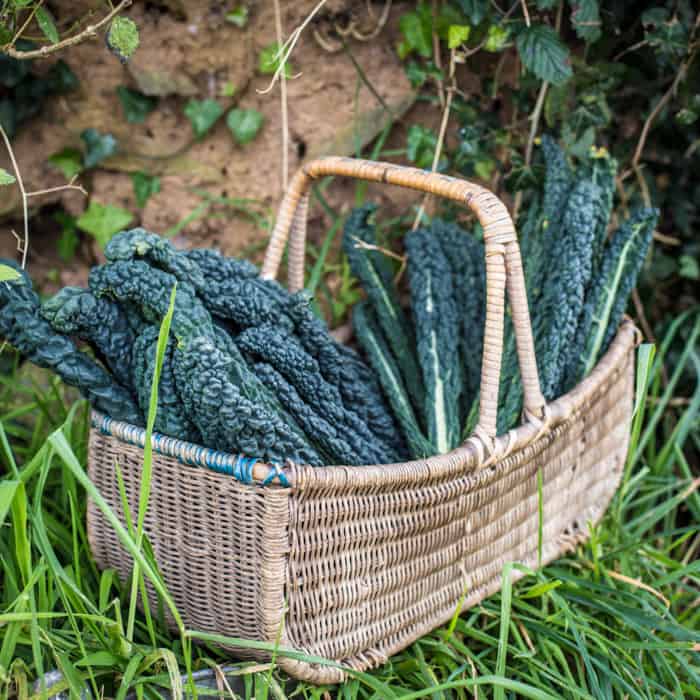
(355, 563)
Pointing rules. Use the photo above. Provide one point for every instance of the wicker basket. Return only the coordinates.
(355, 563)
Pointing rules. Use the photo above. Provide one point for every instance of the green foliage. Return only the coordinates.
(145, 186)
(102, 221)
(244, 124)
(542, 53)
(475, 10)
(98, 147)
(123, 38)
(416, 28)
(6, 178)
(47, 25)
(136, 106)
(371, 267)
(68, 241)
(585, 19)
(203, 114)
(238, 16)
(421, 145)
(437, 326)
(269, 61)
(23, 92)
(458, 35)
(8, 274)
(371, 339)
(69, 161)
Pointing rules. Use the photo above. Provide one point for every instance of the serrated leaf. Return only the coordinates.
(6, 178)
(475, 10)
(97, 147)
(244, 124)
(7, 273)
(585, 19)
(238, 16)
(457, 34)
(203, 114)
(269, 61)
(145, 186)
(123, 38)
(136, 106)
(543, 54)
(47, 25)
(496, 38)
(69, 161)
(102, 221)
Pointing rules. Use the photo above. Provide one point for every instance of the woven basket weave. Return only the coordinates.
(355, 563)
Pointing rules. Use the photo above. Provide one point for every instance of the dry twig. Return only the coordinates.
(88, 32)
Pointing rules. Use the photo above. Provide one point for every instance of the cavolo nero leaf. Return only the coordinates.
(543, 54)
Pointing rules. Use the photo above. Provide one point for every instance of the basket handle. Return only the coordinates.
(503, 264)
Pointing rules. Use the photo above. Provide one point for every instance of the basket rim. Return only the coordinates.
(474, 453)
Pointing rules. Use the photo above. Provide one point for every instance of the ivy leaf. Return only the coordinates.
(123, 38)
(61, 79)
(420, 145)
(8, 274)
(244, 124)
(689, 267)
(457, 34)
(543, 54)
(144, 187)
(417, 29)
(102, 221)
(475, 10)
(68, 241)
(269, 61)
(47, 25)
(496, 38)
(585, 19)
(6, 178)
(69, 161)
(202, 115)
(238, 16)
(97, 147)
(136, 106)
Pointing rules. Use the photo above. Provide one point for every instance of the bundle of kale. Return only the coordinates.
(578, 279)
(248, 367)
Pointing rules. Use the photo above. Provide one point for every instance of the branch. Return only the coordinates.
(20, 184)
(88, 32)
(283, 100)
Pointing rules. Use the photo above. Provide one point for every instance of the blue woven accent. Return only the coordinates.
(239, 467)
(243, 468)
(275, 472)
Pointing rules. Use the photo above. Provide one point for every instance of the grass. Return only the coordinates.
(618, 618)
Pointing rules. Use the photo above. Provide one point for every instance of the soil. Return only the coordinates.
(188, 50)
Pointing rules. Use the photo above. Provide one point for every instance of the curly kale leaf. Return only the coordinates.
(465, 256)
(23, 327)
(326, 438)
(135, 283)
(279, 348)
(171, 419)
(564, 291)
(622, 261)
(372, 341)
(438, 325)
(227, 419)
(100, 322)
(344, 369)
(371, 268)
